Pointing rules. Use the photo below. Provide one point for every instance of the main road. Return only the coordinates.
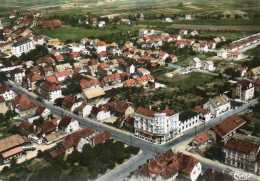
(124, 136)
(148, 149)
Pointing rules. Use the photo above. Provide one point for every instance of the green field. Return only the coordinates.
(110, 33)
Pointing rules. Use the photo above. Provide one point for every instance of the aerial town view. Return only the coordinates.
(129, 90)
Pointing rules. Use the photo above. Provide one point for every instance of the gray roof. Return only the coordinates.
(21, 42)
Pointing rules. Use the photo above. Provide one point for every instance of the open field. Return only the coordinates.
(110, 33)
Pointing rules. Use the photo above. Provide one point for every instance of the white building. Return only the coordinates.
(244, 90)
(218, 105)
(22, 46)
(101, 24)
(156, 127)
(188, 120)
(7, 93)
(50, 91)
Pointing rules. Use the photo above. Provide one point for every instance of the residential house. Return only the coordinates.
(7, 93)
(85, 110)
(43, 112)
(205, 115)
(50, 90)
(156, 127)
(169, 166)
(218, 105)
(121, 108)
(244, 90)
(91, 88)
(18, 75)
(11, 147)
(225, 130)
(24, 106)
(72, 142)
(68, 125)
(100, 113)
(3, 107)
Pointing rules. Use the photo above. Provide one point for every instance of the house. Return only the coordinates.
(225, 130)
(11, 147)
(156, 127)
(68, 125)
(121, 108)
(63, 75)
(205, 115)
(91, 88)
(47, 128)
(85, 110)
(50, 90)
(22, 46)
(255, 72)
(187, 120)
(3, 106)
(218, 105)
(43, 112)
(143, 71)
(99, 138)
(7, 93)
(167, 167)
(242, 154)
(201, 140)
(33, 76)
(18, 75)
(100, 113)
(168, 20)
(209, 66)
(244, 90)
(73, 141)
(101, 24)
(24, 106)
(131, 69)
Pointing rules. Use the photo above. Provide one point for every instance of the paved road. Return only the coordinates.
(124, 136)
(122, 171)
(127, 137)
(250, 28)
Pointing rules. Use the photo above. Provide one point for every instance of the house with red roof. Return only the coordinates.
(24, 106)
(50, 90)
(225, 130)
(169, 166)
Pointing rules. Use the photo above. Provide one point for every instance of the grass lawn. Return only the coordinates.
(77, 33)
(195, 79)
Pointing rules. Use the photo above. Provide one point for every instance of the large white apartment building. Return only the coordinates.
(156, 127)
(22, 46)
(162, 127)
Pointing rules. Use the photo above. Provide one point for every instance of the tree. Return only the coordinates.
(39, 51)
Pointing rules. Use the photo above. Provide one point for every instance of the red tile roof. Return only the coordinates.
(74, 138)
(23, 102)
(201, 138)
(11, 142)
(241, 146)
(228, 125)
(84, 83)
(101, 137)
(145, 111)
